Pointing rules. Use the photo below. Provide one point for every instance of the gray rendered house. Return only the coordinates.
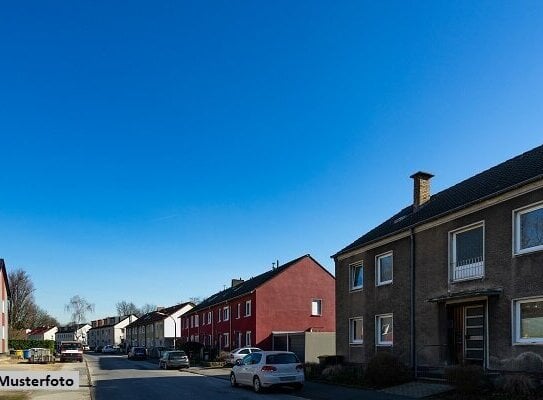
(454, 278)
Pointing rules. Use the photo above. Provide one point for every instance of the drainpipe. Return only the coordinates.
(412, 311)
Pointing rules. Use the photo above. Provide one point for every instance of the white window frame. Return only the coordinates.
(240, 336)
(352, 268)
(378, 281)
(239, 311)
(219, 315)
(378, 319)
(203, 319)
(452, 251)
(317, 313)
(248, 308)
(516, 229)
(516, 321)
(209, 317)
(226, 342)
(192, 321)
(352, 339)
(248, 339)
(196, 320)
(226, 313)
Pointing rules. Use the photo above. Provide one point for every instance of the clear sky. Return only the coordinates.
(152, 151)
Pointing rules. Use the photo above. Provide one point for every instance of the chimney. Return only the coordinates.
(421, 188)
(236, 282)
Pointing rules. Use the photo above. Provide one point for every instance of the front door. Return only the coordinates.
(467, 333)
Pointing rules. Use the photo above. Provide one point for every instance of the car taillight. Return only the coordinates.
(299, 367)
(268, 368)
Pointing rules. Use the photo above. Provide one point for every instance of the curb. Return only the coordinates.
(198, 372)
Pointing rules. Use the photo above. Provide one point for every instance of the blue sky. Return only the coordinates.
(152, 151)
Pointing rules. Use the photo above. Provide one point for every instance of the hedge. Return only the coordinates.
(23, 344)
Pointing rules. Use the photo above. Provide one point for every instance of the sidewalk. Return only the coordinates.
(312, 390)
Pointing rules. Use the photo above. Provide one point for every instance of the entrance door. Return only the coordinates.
(467, 333)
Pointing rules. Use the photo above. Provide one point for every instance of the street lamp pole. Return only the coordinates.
(174, 326)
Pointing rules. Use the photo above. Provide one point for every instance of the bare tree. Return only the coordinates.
(78, 307)
(147, 308)
(43, 318)
(125, 308)
(195, 300)
(22, 308)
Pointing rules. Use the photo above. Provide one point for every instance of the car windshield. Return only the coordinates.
(71, 346)
(177, 354)
(282, 358)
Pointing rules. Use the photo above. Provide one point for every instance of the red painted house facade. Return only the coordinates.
(4, 306)
(295, 297)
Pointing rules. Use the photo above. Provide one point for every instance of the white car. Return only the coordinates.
(240, 352)
(108, 349)
(268, 368)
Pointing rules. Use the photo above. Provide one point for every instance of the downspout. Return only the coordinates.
(412, 311)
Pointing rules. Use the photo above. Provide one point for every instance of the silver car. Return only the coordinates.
(268, 368)
(240, 352)
(174, 359)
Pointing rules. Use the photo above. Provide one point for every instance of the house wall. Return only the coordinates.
(374, 300)
(518, 276)
(284, 302)
(319, 344)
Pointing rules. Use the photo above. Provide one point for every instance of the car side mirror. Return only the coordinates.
(238, 362)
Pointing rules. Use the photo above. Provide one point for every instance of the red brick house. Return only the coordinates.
(5, 297)
(296, 297)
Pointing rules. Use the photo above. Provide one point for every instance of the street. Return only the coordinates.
(116, 377)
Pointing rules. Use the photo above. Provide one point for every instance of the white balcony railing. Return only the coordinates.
(468, 269)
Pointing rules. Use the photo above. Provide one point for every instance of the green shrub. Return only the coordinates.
(23, 344)
(344, 374)
(386, 370)
(467, 379)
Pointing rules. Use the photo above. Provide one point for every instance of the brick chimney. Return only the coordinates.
(421, 188)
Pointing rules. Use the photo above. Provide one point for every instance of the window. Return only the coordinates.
(239, 310)
(529, 321)
(203, 318)
(384, 269)
(384, 327)
(196, 320)
(226, 313)
(467, 253)
(226, 339)
(219, 315)
(248, 338)
(356, 330)
(248, 308)
(209, 317)
(191, 321)
(357, 276)
(316, 307)
(528, 229)
(238, 344)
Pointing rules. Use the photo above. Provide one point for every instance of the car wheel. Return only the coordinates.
(257, 386)
(233, 381)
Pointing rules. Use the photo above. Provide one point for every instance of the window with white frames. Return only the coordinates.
(467, 253)
(248, 341)
(196, 320)
(226, 313)
(356, 276)
(209, 317)
(219, 314)
(316, 307)
(240, 336)
(239, 310)
(356, 330)
(384, 269)
(192, 321)
(528, 229)
(203, 318)
(384, 329)
(248, 308)
(528, 314)
(226, 341)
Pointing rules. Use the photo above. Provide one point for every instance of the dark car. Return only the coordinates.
(137, 353)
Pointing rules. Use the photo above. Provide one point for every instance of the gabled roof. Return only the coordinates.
(70, 328)
(513, 173)
(5, 276)
(109, 325)
(155, 316)
(40, 331)
(248, 285)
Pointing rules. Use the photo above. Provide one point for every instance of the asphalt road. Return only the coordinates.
(116, 377)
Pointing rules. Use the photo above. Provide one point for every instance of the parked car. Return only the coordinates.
(268, 368)
(174, 359)
(240, 352)
(137, 353)
(86, 347)
(108, 349)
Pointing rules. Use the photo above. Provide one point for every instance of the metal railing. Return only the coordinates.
(468, 268)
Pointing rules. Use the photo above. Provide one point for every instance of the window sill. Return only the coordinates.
(471, 278)
(536, 343)
(384, 344)
(353, 290)
(356, 343)
(384, 283)
(519, 253)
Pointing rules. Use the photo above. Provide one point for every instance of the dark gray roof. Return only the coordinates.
(248, 285)
(155, 316)
(70, 328)
(504, 177)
